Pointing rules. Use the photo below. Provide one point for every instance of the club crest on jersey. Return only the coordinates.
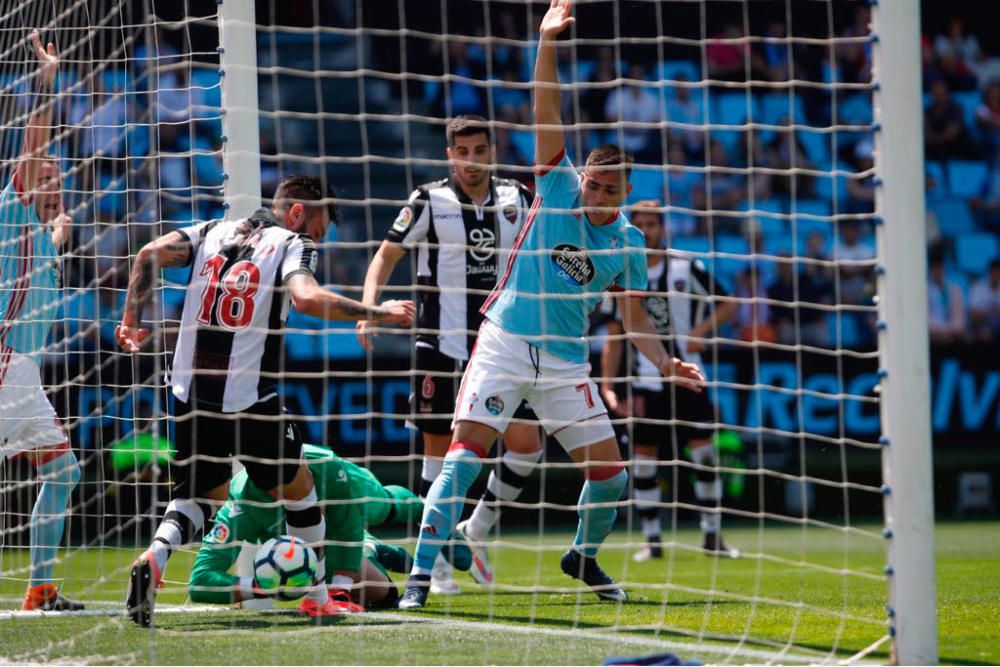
(680, 286)
(218, 535)
(402, 221)
(574, 265)
(510, 213)
(473, 399)
(427, 387)
(494, 405)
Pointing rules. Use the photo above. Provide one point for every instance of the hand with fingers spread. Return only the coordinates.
(48, 61)
(685, 374)
(557, 19)
(130, 338)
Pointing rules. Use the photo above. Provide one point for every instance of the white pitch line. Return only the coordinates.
(481, 626)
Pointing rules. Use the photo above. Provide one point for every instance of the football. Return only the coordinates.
(285, 567)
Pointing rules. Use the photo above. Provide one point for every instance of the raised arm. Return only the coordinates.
(383, 263)
(173, 249)
(38, 131)
(549, 139)
(647, 340)
(309, 298)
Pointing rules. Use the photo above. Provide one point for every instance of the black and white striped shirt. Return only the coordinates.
(460, 247)
(678, 299)
(229, 347)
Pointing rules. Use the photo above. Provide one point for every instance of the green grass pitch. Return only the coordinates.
(692, 605)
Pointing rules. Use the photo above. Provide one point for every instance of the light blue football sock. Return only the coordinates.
(596, 522)
(48, 519)
(443, 506)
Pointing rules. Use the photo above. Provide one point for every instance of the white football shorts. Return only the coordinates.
(505, 369)
(27, 419)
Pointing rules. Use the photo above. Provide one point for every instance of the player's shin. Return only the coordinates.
(304, 519)
(515, 469)
(182, 521)
(598, 507)
(707, 487)
(59, 476)
(647, 495)
(443, 506)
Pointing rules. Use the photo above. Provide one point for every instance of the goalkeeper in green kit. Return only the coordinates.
(353, 499)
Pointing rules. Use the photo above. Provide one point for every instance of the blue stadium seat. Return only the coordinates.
(776, 106)
(969, 101)
(647, 183)
(965, 177)
(975, 251)
(817, 147)
(672, 70)
(953, 217)
(694, 244)
(773, 205)
(524, 144)
(731, 109)
(856, 109)
(727, 268)
(814, 207)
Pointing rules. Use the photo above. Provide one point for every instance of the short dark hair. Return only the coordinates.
(609, 155)
(300, 189)
(648, 207)
(467, 125)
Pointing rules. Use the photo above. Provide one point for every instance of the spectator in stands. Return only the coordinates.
(720, 190)
(945, 134)
(634, 103)
(459, 96)
(958, 55)
(820, 274)
(753, 319)
(785, 151)
(772, 57)
(945, 305)
(725, 58)
(861, 191)
(755, 153)
(855, 58)
(984, 305)
(986, 205)
(854, 256)
(678, 184)
(595, 98)
(988, 120)
(797, 322)
(682, 108)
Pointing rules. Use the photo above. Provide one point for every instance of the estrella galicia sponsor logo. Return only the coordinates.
(574, 265)
(494, 405)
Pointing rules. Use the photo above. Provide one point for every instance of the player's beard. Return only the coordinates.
(472, 178)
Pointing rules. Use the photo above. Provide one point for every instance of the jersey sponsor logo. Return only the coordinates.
(402, 222)
(427, 387)
(510, 213)
(218, 535)
(494, 405)
(483, 243)
(574, 265)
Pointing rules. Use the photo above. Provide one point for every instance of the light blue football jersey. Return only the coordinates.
(562, 266)
(30, 290)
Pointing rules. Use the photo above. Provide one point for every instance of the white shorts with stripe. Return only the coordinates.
(505, 369)
(27, 419)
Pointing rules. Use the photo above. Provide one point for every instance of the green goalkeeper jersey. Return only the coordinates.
(351, 496)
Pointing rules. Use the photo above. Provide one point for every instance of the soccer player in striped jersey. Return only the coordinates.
(245, 276)
(680, 293)
(461, 229)
(33, 227)
(576, 246)
(358, 563)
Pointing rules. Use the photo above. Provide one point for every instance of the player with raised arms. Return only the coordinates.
(33, 228)
(353, 500)
(576, 246)
(246, 274)
(461, 229)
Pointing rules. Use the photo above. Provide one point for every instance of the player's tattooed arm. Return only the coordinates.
(170, 250)
(311, 299)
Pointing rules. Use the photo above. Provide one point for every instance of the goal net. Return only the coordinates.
(753, 128)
